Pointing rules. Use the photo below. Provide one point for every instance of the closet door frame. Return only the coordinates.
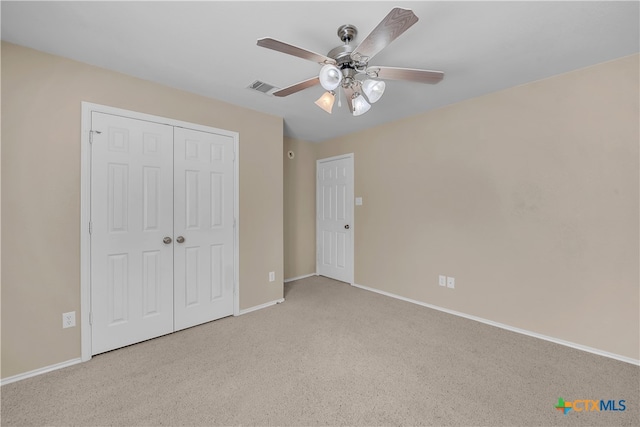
(85, 207)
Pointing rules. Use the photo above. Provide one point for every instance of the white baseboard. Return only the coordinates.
(39, 371)
(261, 306)
(299, 277)
(509, 328)
(71, 362)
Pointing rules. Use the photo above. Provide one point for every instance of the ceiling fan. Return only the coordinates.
(348, 67)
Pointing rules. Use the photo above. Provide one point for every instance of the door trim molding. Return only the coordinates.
(85, 207)
(353, 219)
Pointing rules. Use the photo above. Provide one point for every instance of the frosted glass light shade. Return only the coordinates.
(330, 77)
(373, 89)
(360, 105)
(326, 101)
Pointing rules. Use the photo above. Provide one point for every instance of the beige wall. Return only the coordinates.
(41, 105)
(299, 208)
(528, 197)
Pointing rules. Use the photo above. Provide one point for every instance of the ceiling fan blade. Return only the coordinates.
(390, 28)
(409, 74)
(348, 93)
(290, 49)
(297, 87)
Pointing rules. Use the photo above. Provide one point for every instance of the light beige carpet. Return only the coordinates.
(330, 354)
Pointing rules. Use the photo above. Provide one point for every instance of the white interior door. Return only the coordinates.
(334, 201)
(132, 212)
(162, 229)
(204, 218)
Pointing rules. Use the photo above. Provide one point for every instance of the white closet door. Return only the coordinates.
(203, 216)
(131, 214)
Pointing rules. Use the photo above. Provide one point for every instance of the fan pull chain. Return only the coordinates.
(339, 103)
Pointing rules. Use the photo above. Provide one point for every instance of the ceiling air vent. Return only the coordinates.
(263, 87)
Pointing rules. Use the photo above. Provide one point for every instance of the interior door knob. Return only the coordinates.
(180, 239)
(346, 227)
(166, 240)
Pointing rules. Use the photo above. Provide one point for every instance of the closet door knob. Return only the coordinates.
(166, 240)
(180, 239)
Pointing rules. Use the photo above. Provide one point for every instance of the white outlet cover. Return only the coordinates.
(272, 276)
(451, 282)
(358, 201)
(442, 280)
(69, 319)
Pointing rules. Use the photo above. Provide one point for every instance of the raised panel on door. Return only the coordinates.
(131, 213)
(204, 212)
(335, 218)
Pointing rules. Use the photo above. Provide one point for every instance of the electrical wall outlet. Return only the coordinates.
(442, 280)
(272, 276)
(68, 319)
(451, 282)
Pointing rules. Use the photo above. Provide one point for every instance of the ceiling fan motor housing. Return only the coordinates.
(342, 54)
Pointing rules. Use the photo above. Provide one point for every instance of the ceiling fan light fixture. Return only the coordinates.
(326, 101)
(373, 89)
(330, 77)
(348, 66)
(360, 105)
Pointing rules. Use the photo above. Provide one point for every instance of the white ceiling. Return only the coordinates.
(209, 47)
